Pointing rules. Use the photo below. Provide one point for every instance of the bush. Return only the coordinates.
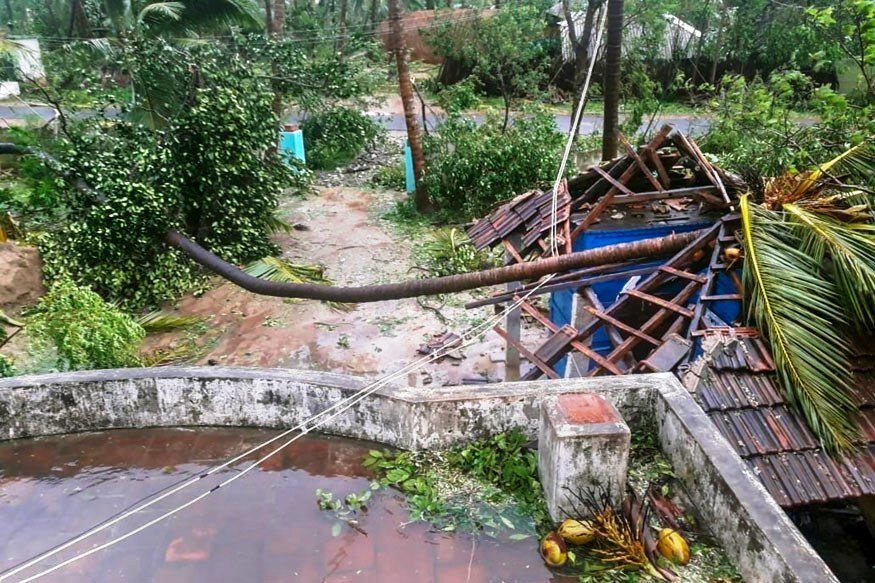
(211, 170)
(459, 97)
(471, 168)
(337, 136)
(391, 178)
(87, 332)
(6, 367)
(755, 128)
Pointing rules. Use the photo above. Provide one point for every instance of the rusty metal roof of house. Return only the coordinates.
(666, 178)
(739, 391)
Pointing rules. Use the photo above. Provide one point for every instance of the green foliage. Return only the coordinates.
(337, 136)
(754, 124)
(503, 52)
(7, 369)
(488, 486)
(471, 168)
(86, 331)
(391, 177)
(448, 251)
(210, 170)
(459, 97)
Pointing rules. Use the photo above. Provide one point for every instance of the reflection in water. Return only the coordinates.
(264, 527)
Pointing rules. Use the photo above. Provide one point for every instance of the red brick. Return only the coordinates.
(587, 408)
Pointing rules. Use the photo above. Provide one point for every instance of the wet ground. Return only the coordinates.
(265, 526)
(341, 229)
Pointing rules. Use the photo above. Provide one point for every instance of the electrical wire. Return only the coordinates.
(554, 209)
(304, 427)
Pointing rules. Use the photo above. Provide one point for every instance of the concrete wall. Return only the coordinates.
(756, 534)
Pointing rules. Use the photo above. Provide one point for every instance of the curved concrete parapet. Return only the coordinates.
(756, 534)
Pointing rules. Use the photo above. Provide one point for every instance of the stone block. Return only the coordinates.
(583, 443)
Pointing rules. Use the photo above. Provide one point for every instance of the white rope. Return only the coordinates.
(305, 427)
(554, 209)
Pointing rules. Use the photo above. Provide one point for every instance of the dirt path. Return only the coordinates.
(345, 234)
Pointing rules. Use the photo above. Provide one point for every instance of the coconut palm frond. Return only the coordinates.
(794, 306)
(275, 269)
(277, 225)
(851, 249)
(858, 161)
(159, 321)
(160, 12)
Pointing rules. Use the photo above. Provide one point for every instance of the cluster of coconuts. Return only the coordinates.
(670, 543)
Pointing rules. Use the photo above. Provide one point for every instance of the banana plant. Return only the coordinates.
(810, 275)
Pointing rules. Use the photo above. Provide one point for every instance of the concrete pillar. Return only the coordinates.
(583, 443)
(513, 322)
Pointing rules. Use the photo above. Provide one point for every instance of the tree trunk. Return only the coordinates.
(439, 285)
(613, 53)
(268, 15)
(423, 204)
(341, 28)
(79, 20)
(277, 29)
(372, 18)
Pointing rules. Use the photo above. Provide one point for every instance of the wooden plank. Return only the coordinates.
(512, 251)
(721, 297)
(683, 274)
(659, 302)
(660, 169)
(624, 327)
(644, 169)
(542, 366)
(656, 320)
(605, 200)
(613, 334)
(680, 259)
(553, 349)
(693, 192)
(621, 187)
(576, 344)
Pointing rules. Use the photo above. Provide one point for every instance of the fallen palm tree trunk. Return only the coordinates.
(432, 286)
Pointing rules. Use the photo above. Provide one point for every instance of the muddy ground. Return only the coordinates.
(341, 229)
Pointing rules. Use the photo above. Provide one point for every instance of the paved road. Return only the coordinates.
(395, 122)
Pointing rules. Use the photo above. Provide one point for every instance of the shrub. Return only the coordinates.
(391, 177)
(471, 168)
(6, 367)
(335, 137)
(459, 97)
(86, 331)
(211, 170)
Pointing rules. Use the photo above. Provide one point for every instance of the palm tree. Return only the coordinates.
(810, 273)
(613, 52)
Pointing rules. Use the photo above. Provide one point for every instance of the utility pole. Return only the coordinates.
(423, 204)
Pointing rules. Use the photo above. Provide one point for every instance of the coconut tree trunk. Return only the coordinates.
(79, 20)
(277, 26)
(439, 285)
(405, 87)
(613, 52)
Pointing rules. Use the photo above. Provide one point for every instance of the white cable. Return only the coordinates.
(554, 209)
(343, 405)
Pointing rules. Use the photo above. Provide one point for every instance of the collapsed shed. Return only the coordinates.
(678, 313)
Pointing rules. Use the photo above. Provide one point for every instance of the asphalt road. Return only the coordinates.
(395, 122)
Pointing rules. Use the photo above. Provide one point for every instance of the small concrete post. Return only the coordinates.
(583, 443)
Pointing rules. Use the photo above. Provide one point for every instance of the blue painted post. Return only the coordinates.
(292, 143)
(408, 168)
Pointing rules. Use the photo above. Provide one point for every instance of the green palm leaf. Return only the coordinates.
(851, 249)
(274, 269)
(158, 12)
(795, 307)
(160, 321)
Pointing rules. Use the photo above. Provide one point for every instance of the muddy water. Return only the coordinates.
(264, 527)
